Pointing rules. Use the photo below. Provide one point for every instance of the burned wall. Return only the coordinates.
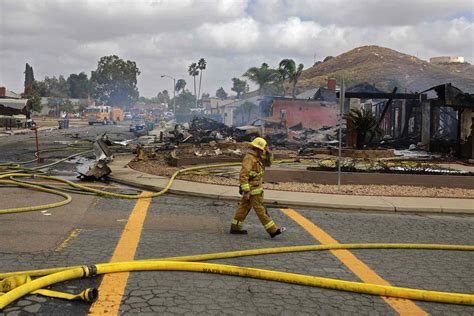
(466, 133)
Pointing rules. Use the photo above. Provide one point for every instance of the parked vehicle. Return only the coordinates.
(103, 114)
(127, 116)
(139, 128)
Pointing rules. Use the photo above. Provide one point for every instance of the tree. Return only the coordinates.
(81, 106)
(194, 71)
(30, 92)
(221, 94)
(201, 65)
(79, 86)
(184, 102)
(180, 85)
(363, 123)
(274, 88)
(41, 88)
(29, 80)
(163, 97)
(67, 106)
(56, 87)
(239, 86)
(115, 81)
(262, 76)
(55, 105)
(35, 100)
(62, 88)
(288, 70)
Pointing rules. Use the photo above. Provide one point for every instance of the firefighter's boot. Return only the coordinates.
(238, 231)
(277, 232)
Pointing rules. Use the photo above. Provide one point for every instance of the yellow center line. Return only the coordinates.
(113, 285)
(66, 241)
(359, 268)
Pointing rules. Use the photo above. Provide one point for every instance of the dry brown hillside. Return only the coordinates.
(388, 68)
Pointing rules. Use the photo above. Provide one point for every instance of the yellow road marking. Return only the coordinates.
(66, 241)
(402, 306)
(113, 285)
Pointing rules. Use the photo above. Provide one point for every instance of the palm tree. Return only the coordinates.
(193, 71)
(261, 76)
(362, 122)
(201, 65)
(288, 70)
(180, 85)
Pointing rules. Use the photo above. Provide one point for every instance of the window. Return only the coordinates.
(283, 114)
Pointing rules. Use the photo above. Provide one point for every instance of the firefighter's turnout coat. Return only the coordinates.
(251, 180)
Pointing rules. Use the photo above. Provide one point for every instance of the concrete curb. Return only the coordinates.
(25, 131)
(123, 174)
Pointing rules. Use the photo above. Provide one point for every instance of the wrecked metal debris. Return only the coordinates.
(98, 169)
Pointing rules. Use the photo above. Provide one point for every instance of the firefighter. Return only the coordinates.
(251, 187)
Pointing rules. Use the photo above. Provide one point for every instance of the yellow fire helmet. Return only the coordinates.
(259, 143)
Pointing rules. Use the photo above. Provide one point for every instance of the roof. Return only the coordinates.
(324, 94)
(17, 104)
(239, 102)
(363, 87)
(307, 94)
(9, 94)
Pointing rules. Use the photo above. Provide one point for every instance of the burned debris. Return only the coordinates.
(98, 169)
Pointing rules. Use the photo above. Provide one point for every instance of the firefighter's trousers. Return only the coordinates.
(255, 202)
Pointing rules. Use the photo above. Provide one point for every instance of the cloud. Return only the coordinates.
(164, 36)
(361, 13)
(238, 36)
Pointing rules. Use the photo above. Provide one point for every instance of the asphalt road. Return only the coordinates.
(89, 231)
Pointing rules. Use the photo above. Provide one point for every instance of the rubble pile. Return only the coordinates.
(204, 130)
(213, 148)
(318, 137)
(312, 140)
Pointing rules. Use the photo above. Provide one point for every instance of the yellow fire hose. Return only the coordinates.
(67, 198)
(265, 251)
(8, 284)
(20, 288)
(23, 285)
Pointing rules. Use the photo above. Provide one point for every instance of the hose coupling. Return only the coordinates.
(89, 271)
(90, 295)
(92, 270)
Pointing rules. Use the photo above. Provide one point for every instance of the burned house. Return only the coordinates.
(437, 119)
(450, 118)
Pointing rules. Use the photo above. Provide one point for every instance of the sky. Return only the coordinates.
(58, 37)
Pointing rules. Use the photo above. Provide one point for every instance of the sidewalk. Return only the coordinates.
(23, 131)
(123, 174)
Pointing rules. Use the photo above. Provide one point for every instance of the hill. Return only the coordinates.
(387, 68)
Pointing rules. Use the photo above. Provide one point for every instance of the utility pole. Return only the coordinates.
(342, 97)
(174, 93)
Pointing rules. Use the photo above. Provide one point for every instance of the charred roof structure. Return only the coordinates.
(443, 123)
